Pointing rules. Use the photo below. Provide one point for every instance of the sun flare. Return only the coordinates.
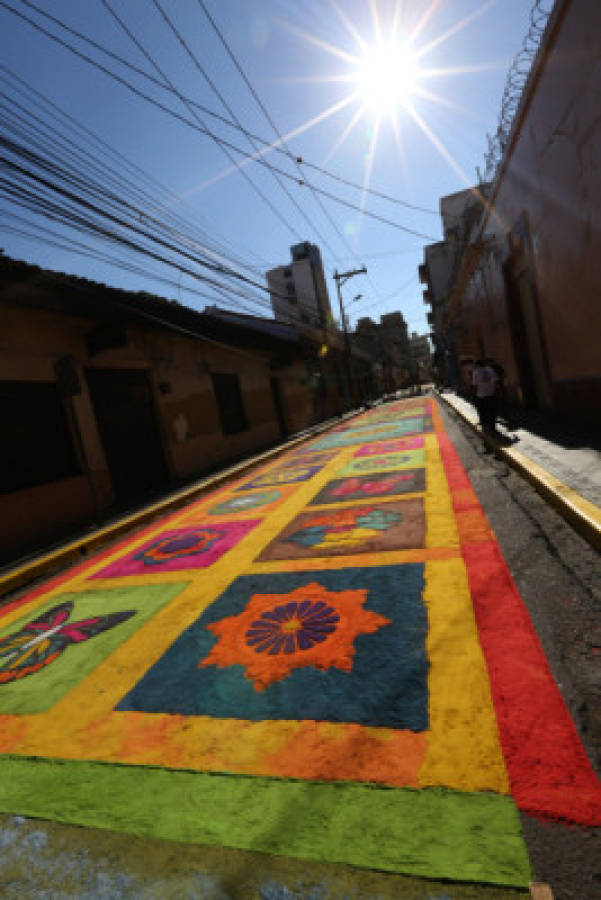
(386, 78)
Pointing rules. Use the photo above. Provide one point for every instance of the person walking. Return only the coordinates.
(485, 381)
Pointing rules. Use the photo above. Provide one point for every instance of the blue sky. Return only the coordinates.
(294, 54)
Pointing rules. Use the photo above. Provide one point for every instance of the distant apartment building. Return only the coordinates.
(420, 352)
(298, 290)
(387, 343)
(395, 338)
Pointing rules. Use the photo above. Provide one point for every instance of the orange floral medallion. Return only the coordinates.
(278, 633)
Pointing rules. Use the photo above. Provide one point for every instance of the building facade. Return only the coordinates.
(298, 290)
(528, 286)
(108, 396)
(459, 213)
(421, 355)
(387, 344)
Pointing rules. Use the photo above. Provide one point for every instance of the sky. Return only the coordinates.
(396, 95)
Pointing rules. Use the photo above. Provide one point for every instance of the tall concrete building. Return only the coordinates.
(395, 338)
(387, 343)
(298, 290)
(420, 353)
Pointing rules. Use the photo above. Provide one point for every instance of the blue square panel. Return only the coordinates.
(340, 645)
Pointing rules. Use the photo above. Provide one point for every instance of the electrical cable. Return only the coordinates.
(252, 141)
(137, 211)
(200, 121)
(89, 135)
(221, 287)
(276, 130)
(91, 189)
(206, 131)
(233, 124)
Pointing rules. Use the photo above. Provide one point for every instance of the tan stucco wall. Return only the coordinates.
(553, 175)
(179, 371)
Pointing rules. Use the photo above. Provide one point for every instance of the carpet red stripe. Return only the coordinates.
(549, 771)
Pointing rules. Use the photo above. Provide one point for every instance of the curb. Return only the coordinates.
(583, 515)
(14, 578)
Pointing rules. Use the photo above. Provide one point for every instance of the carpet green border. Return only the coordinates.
(432, 833)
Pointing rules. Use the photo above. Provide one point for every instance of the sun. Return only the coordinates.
(386, 78)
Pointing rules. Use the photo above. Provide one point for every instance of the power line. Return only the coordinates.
(89, 183)
(59, 214)
(215, 286)
(133, 309)
(115, 219)
(67, 123)
(400, 290)
(233, 124)
(40, 204)
(269, 118)
(204, 130)
(251, 140)
(189, 107)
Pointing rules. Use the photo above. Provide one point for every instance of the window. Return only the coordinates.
(37, 446)
(229, 403)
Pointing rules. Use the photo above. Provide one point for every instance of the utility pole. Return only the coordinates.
(340, 278)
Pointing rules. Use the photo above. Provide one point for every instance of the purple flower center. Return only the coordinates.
(292, 627)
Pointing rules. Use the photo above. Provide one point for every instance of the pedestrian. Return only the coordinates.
(485, 381)
(467, 378)
(502, 406)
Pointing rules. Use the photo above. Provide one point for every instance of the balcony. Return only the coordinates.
(427, 296)
(430, 318)
(422, 271)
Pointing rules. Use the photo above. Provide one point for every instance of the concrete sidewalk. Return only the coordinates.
(564, 466)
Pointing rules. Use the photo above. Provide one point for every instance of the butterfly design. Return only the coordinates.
(41, 641)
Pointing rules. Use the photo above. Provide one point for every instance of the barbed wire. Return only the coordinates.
(517, 76)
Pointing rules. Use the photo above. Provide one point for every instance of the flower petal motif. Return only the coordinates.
(246, 501)
(292, 627)
(278, 633)
(197, 541)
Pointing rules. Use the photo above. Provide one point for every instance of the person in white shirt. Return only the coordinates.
(485, 382)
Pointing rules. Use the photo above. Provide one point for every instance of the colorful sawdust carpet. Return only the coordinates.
(375, 432)
(365, 487)
(357, 529)
(399, 446)
(247, 501)
(358, 683)
(387, 462)
(284, 474)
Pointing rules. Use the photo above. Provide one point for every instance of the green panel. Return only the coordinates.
(432, 833)
(386, 462)
(38, 692)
